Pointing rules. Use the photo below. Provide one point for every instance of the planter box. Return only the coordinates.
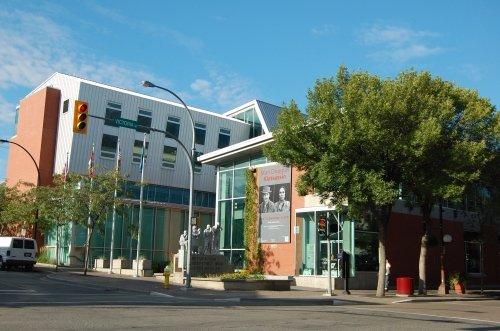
(101, 263)
(242, 285)
(143, 264)
(122, 264)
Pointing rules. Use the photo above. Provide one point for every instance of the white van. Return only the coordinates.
(17, 251)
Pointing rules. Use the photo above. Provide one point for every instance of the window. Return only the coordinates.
(224, 138)
(113, 110)
(144, 119)
(173, 126)
(108, 146)
(250, 116)
(137, 152)
(65, 106)
(29, 244)
(17, 243)
(200, 131)
(169, 155)
(197, 165)
(16, 119)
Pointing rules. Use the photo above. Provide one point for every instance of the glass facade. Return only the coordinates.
(250, 116)
(313, 250)
(231, 206)
(160, 233)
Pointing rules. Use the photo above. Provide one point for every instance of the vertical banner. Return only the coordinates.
(274, 203)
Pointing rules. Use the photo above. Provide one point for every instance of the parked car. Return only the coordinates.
(17, 251)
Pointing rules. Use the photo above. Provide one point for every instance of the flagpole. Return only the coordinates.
(112, 245)
(89, 220)
(140, 208)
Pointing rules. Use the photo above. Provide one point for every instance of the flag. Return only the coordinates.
(118, 156)
(91, 162)
(65, 168)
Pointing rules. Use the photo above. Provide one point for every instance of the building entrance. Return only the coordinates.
(313, 250)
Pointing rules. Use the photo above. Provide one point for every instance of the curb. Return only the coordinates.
(416, 300)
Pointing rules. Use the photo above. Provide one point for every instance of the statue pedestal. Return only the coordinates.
(204, 265)
(180, 259)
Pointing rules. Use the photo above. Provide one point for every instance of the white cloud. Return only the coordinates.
(203, 87)
(32, 47)
(224, 90)
(399, 44)
(323, 30)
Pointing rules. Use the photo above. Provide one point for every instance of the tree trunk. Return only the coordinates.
(383, 221)
(87, 250)
(426, 208)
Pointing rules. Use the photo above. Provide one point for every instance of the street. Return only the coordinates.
(46, 300)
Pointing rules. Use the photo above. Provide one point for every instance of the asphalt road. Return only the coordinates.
(35, 300)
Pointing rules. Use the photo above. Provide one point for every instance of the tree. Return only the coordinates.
(449, 147)
(253, 252)
(92, 199)
(55, 207)
(349, 146)
(19, 208)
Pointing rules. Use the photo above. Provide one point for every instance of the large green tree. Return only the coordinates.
(54, 203)
(348, 147)
(450, 146)
(92, 199)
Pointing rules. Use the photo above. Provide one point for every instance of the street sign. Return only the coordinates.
(123, 122)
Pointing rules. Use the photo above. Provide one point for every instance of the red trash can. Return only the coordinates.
(404, 286)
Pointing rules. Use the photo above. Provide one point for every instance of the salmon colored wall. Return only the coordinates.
(37, 132)
(403, 248)
(280, 259)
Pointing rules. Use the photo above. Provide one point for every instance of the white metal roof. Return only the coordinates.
(122, 90)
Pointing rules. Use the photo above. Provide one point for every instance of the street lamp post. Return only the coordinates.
(191, 177)
(37, 179)
(442, 287)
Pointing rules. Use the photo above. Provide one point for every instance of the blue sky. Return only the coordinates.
(220, 54)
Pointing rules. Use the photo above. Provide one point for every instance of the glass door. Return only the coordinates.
(308, 265)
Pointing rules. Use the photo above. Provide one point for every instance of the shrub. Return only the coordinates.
(244, 275)
(44, 257)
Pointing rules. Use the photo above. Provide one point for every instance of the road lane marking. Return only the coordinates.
(427, 315)
(158, 294)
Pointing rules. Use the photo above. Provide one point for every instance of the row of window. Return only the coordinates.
(144, 118)
(109, 146)
(114, 110)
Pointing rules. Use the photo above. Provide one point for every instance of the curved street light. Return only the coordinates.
(37, 180)
(146, 83)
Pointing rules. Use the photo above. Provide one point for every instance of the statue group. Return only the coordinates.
(211, 238)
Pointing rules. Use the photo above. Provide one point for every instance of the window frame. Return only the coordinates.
(65, 106)
(226, 133)
(112, 107)
(173, 120)
(116, 147)
(145, 114)
(137, 159)
(166, 164)
(198, 129)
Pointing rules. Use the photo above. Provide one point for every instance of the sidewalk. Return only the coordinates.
(297, 295)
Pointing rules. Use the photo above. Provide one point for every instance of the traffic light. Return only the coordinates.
(80, 118)
(322, 224)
